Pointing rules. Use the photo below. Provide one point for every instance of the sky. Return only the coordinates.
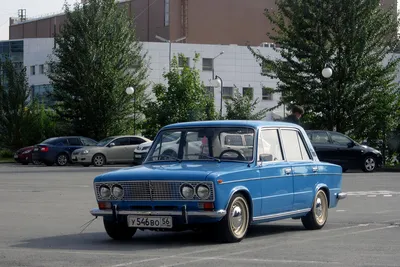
(34, 8)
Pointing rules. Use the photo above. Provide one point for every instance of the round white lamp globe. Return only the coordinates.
(216, 83)
(130, 90)
(327, 72)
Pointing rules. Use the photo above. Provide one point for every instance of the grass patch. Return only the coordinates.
(7, 160)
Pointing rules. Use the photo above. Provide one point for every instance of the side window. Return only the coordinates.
(88, 142)
(269, 146)
(62, 142)
(291, 143)
(340, 139)
(136, 141)
(320, 138)
(122, 141)
(74, 142)
(303, 149)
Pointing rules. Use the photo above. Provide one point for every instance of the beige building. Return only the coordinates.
(238, 22)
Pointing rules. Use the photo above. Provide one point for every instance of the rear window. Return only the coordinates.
(55, 141)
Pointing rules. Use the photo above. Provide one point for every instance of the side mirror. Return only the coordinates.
(111, 144)
(266, 157)
(351, 144)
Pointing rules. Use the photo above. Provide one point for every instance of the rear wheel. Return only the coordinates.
(62, 159)
(119, 230)
(233, 227)
(318, 215)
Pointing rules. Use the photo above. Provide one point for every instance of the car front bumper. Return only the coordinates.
(86, 158)
(138, 158)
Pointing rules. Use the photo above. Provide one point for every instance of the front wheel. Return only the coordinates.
(119, 231)
(99, 160)
(318, 215)
(369, 164)
(233, 227)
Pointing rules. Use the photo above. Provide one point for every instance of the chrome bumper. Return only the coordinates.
(341, 195)
(209, 214)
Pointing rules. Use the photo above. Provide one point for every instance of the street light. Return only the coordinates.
(327, 72)
(221, 53)
(130, 91)
(218, 82)
(170, 44)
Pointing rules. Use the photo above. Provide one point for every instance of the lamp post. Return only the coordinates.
(327, 73)
(170, 45)
(130, 91)
(221, 53)
(218, 82)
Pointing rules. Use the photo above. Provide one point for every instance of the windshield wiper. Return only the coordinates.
(205, 155)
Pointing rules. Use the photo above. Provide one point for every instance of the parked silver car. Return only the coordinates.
(114, 149)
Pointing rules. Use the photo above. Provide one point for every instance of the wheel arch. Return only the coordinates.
(326, 190)
(246, 193)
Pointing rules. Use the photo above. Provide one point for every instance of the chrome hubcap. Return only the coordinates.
(370, 164)
(62, 160)
(320, 209)
(238, 217)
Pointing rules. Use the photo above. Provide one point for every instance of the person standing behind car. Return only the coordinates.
(297, 113)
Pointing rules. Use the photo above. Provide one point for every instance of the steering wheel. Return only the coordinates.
(239, 157)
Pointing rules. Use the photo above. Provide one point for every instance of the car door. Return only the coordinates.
(73, 144)
(347, 153)
(275, 175)
(304, 168)
(134, 142)
(117, 149)
(326, 151)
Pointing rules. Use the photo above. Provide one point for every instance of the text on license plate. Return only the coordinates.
(149, 221)
(138, 156)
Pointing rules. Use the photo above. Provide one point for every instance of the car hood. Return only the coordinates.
(370, 149)
(25, 149)
(90, 148)
(190, 171)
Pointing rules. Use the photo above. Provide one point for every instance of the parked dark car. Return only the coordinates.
(59, 149)
(24, 156)
(337, 148)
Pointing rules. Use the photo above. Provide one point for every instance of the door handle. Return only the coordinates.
(288, 170)
(315, 169)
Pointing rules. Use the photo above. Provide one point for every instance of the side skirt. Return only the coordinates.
(280, 216)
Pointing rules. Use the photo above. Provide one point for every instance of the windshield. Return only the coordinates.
(105, 141)
(214, 143)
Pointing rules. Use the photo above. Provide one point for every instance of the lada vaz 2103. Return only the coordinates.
(220, 176)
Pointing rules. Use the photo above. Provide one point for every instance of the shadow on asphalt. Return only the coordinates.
(146, 240)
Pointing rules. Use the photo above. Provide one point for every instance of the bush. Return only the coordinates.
(5, 154)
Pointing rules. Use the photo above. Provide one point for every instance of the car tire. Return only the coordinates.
(233, 227)
(369, 164)
(62, 159)
(318, 215)
(36, 162)
(119, 230)
(99, 160)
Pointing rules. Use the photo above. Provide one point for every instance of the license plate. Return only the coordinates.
(74, 158)
(149, 221)
(138, 156)
(15, 156)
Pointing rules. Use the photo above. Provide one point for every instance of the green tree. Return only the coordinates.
(14, 95)
(354, 38)
(97, 56)
(242, 107)
(184, 98)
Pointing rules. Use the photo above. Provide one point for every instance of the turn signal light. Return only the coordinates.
(104, 205)
(208, 206)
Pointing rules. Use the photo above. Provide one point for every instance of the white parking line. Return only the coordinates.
(261, 242)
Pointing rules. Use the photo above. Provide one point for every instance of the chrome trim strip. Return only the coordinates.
(277, 215)
(341, 195)
(241, 180)
(210, 214)
(281, 195)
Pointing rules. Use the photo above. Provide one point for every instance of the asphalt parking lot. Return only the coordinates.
(42, 210)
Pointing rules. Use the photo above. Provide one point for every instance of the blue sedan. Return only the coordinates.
(222, 176)
(59, 149)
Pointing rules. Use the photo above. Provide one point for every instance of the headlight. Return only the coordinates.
(187, 191)
(105, 191)
(202, 191)
(117, 191)
(85, 152)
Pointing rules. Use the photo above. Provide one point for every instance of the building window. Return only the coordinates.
(33, 70)
(210, 90)
(208, 64)
(183, 62)
(41, 69)
(227, 92)
(266, 94)
(265, 68)
(166, 12)
(248, 91)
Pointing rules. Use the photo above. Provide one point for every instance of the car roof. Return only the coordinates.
(230, 123)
